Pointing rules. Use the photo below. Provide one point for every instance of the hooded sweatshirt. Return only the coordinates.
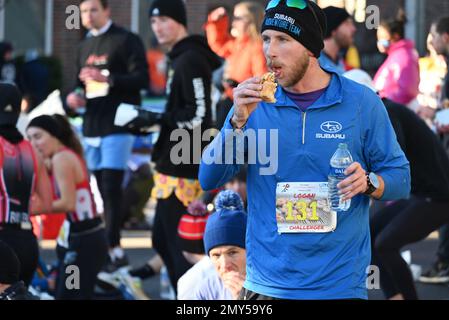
(191, 63)
(398, 77)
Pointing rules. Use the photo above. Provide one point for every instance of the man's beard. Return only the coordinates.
(299, 69)
(343, 42)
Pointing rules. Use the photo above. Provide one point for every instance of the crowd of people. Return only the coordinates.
(218, 230)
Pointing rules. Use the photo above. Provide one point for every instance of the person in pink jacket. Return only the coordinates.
(398, 77)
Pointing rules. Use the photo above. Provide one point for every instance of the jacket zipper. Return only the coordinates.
(304, 127)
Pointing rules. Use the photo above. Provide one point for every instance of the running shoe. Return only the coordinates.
(438, 273)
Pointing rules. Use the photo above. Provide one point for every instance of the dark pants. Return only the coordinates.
(87, 252)
(393, 227)
(246, 294)
(110, 185)
(136, 193)
(165, 237)
(24, 244)
(443, 244)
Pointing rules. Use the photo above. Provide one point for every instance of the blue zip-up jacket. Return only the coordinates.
(311, 265)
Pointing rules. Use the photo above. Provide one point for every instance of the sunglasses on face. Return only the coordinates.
(298, 4)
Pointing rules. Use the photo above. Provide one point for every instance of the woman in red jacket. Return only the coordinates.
(242, 48)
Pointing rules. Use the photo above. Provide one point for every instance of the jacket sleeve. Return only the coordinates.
(191, 88)
(218, 37)
(223, 157)
(381, 150)
(136, 76)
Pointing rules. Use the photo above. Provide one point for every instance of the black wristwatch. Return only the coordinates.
(373, 183)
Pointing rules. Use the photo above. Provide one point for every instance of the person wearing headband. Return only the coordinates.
(297, 247)
(82, 239)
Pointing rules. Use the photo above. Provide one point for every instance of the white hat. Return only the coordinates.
(360, 77)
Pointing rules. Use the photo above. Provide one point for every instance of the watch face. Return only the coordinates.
(374, 180)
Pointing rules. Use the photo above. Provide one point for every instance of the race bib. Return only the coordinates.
(63, 237)
(303, 207)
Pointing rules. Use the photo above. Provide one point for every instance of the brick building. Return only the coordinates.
(41, 24)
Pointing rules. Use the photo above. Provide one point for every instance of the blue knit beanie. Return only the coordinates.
(227, 226)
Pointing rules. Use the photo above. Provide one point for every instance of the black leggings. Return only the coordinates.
(24, 244)
(165, 237)
(88, 253)
(393, 227)
(110, 185)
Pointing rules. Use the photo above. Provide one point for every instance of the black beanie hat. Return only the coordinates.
(10, 101)
(9, 265)
(335, 17)
(306, 25)
(174, 9)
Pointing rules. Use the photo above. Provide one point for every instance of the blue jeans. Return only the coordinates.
(109, 152)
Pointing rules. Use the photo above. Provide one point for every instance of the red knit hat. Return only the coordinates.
(191, 227)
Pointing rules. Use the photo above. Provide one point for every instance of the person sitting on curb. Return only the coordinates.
(224, 242)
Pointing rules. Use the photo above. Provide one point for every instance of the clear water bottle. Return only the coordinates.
(339, 162)
(80, 92)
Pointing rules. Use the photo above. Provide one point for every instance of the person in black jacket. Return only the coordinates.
(409, 220)
(439, 271)
(187, 116)
(112, 69)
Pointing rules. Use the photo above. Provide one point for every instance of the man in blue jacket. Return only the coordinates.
(297, 248)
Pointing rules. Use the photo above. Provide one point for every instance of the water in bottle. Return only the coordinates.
(339, 162)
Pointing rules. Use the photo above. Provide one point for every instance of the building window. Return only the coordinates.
(24, 24)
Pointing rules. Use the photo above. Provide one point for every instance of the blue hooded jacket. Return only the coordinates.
(309, 265)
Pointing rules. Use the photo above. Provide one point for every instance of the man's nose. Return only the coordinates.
(270, 50)
(225, 263)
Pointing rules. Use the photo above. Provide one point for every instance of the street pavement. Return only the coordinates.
(138, 248)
